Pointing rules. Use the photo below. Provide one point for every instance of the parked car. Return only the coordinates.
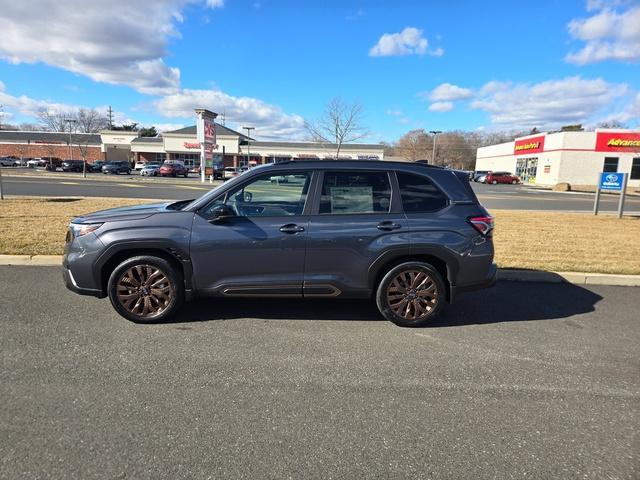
(96, 166)
(52, 163)
(479, 173)
(150, 170)
(230, 172)
(348, 229)
(173, 168)
(116, 167)
(35, 162)
(72, 165)
(140, 165)
(7, 162)
(501, 177)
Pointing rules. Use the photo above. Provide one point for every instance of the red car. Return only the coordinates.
(173, 168)
(501, 177)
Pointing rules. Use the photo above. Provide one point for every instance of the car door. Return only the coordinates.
(356, 220)
(260, 250)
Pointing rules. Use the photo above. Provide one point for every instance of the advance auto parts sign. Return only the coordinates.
(618, 142)
(529, 145)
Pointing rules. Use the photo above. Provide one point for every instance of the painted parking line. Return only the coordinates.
(69, 183)
(133, 185)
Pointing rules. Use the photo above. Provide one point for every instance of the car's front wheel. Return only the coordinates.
(411, 294)
(146, 289)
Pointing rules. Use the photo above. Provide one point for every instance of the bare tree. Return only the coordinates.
(414, 145)
(340, 124)
(85, 120)
(54, 121)
(29, 127)
(90, 120)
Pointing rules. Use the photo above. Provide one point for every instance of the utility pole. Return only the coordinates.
(110, 115)
(70, 121)
(248, 129)
(435, 135)
(1, 115)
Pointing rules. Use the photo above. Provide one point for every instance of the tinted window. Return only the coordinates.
(355, 192)
(635, 169)
(419, 195)
(610, 164)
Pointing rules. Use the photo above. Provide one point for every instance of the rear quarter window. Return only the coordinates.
(419, 194)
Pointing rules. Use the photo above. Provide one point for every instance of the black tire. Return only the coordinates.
(495, 182)
(122, 280)
(431, 302)
(514, 182)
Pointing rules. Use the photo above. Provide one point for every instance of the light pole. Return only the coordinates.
(248, 129)
(435, 134)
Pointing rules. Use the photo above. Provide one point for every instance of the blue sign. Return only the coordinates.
(611, 181)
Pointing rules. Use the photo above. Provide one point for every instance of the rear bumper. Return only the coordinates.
(487, 282)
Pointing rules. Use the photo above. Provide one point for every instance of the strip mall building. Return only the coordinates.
(233, 148)
(572, 157)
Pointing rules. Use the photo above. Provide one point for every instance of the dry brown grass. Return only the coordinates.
(566, 242)
(37, 226)
(530, 240)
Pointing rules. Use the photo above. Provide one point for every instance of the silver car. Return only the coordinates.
(150, 170)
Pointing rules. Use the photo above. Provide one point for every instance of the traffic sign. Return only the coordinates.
(611, 181)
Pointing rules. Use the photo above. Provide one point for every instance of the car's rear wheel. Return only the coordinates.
(146, 289)
(495, 182)
(411, 294)
(514, 182)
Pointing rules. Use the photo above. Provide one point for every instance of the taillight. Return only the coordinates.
(483, 224)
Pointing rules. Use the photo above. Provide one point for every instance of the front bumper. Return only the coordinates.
(71, 284)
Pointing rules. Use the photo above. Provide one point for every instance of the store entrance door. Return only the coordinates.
(527, 168)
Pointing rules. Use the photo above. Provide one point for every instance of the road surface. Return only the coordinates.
(522, 381)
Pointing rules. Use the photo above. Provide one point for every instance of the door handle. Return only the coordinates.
(388, 225)
(291, 228)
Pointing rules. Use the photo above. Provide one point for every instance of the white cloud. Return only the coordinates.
(407, 42)
(607, 35)
(269, 120)
(447, 92)
(121, 43)
(441, 107)
(29, 107)
(547, 104)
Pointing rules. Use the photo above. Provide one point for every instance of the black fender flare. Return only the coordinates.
(172, 249)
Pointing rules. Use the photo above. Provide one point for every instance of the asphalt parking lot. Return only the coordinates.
(520, 381)
(28, 182)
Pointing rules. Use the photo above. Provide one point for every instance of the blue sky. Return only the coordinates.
(495, 65)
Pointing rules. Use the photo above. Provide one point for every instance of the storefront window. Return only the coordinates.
(635, 169)
(610, 164)
(526, 169)
(191, 160)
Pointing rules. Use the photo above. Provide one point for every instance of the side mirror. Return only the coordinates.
(220, 213)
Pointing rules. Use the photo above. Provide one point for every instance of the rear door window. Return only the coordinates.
(355, 192)
(419, 194)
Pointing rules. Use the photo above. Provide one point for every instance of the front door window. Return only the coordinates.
(278, 195)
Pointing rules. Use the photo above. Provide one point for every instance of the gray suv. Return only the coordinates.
(409, 235)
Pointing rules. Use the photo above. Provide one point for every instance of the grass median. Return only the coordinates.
(523, 239)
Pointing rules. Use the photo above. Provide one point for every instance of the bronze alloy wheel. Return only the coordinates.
(144, 291)
(412, 294)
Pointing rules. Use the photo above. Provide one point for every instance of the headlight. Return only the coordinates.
(80, 229)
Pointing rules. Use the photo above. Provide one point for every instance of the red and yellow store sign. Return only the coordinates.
(618, 142)
(529, 145)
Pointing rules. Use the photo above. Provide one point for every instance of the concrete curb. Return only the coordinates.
(577, 278)
(33, 260)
